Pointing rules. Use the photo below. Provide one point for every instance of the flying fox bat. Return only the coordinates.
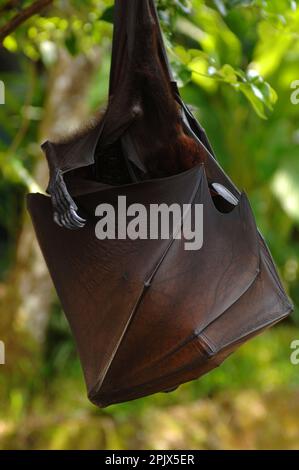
(141, 135)
(147, 314)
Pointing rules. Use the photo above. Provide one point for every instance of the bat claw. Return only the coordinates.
(69, 222)
(75, 220)
(76, 217)
(69, 219)
(65, 222)
(56, 219)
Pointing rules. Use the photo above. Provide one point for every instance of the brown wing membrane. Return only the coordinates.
(147, 314)
(105, 270)
(139, 328)
(260, 307)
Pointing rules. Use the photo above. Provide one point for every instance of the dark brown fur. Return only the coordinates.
(158, 134)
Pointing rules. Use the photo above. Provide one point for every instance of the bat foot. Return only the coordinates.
(69, 219)
(65, 210)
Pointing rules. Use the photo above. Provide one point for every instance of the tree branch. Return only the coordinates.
(21, 17)
(9, 5)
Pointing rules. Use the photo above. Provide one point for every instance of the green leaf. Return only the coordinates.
(251, 93)
(269, 94)
(182, 74)
(220, 5)
(228, 73)
(285, 186)
(184, 6)
(108, 15)
(182, 54)
(71, 44)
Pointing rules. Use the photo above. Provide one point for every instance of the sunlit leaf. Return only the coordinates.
(285, 186)
(254, 98)
(10, 44)
(228, 73)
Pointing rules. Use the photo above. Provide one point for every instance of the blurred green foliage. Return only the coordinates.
(235, 61)
(236, 406)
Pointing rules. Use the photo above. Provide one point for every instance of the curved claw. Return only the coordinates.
(72, 220)
(64, 221)
(69, 223)
(77, 217)
(69, 219)
(225, 193)
(56, 219)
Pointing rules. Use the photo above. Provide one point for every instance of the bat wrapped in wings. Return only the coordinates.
(147, 314)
